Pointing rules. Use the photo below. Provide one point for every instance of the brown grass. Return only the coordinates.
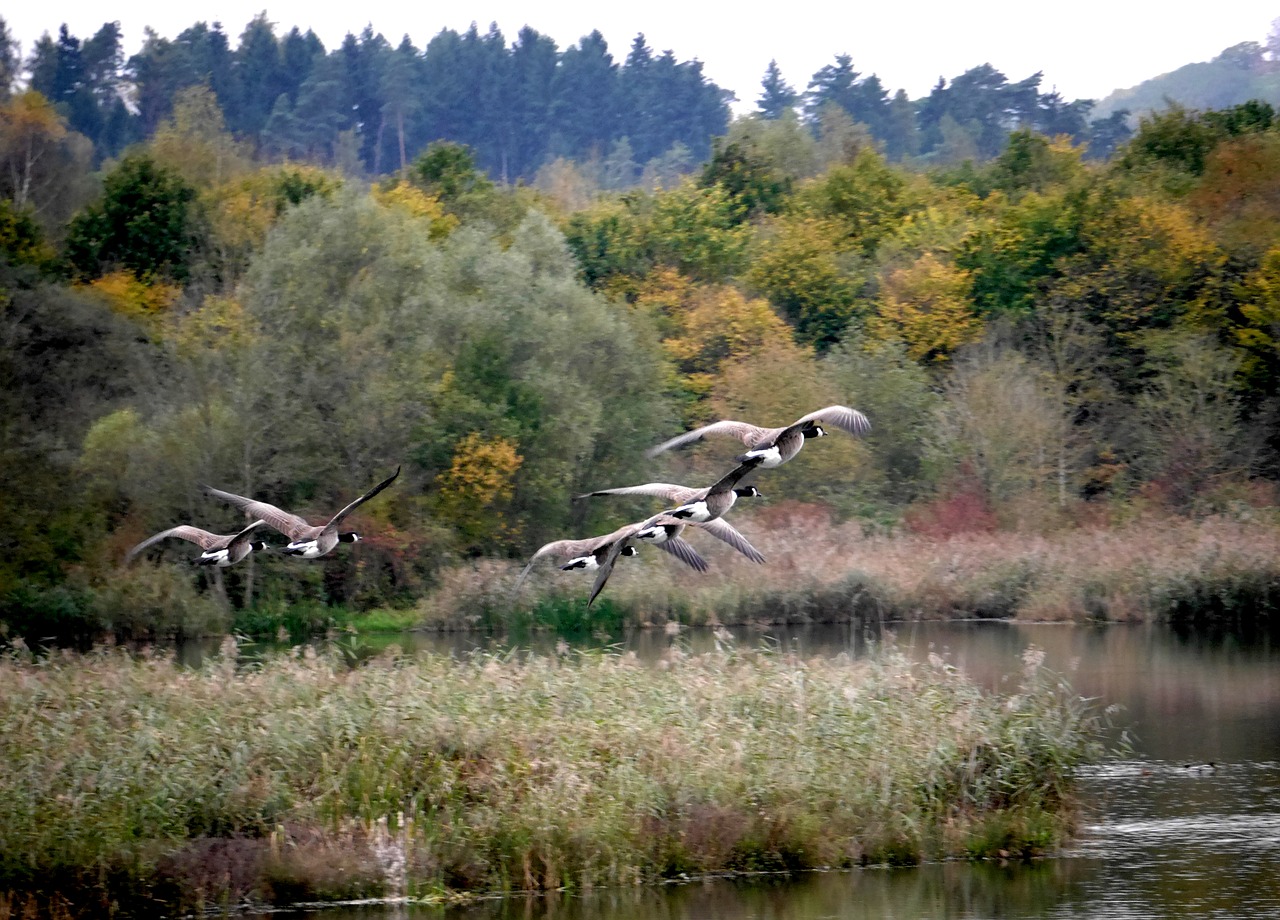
(1148, 568)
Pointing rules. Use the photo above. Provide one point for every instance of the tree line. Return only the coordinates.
(518, 105)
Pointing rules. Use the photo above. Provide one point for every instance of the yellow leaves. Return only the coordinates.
(408, 197)
(128, 296)
(1259, 306)
(798, 267)
(479, 481)
(28, 114)
(707, 324)
(221, 322)
(927, 307)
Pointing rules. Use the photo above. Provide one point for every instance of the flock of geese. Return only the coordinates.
(704, 508)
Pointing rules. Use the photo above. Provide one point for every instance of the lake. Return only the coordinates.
(1187, 824)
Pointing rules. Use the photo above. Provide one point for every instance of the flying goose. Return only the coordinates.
(591, 553)
(717, 527)
(774, 446)
(305, 540)
(218, 550)
(713, 501)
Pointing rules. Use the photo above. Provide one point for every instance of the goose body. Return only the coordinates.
(683, 495)
(306, 540)
(772, 447)
(598, 554)
(218, 549)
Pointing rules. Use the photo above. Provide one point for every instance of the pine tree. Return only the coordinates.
(778, 97)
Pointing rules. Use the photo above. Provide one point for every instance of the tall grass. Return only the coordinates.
(132, 781)
(1219, 569)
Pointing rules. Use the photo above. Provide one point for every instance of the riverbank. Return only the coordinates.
(132, 782)
(1221, 570)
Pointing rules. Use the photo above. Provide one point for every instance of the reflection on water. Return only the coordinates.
(1187, 826)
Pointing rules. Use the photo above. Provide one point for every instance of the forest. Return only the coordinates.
(271, 277)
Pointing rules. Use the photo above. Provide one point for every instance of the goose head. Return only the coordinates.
(817, 431)
(350, 537)
(748, 492)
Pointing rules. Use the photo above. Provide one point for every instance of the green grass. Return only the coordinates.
(134, 781)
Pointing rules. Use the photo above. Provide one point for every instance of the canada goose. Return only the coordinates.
(305, 540)
(717, 527)
(591, 553)
(218, 550)
(712, 502)
(774, 446)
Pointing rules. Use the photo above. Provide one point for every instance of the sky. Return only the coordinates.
(1085, 49)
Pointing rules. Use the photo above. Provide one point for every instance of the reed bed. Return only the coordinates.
(138, 786)
(1221, 569)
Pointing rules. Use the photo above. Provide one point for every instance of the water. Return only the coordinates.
(1186, 825)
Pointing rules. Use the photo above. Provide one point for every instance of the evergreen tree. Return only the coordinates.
(778, 97)
(533, 65)
(365, 60)
(863, 99)
(208, 52)
(259, 76)
(901, 138)
(585, 108)
(158, 71)
(446, 107)
(10, 61)
(1107, 135)
(400, 80)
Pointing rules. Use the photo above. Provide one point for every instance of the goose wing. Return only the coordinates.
(292, 526)
(667, 490)
(723, 530)
(568, 549)
(337, 518)
(684, 551)
(842, 417)
(746, 433)
(202, 538)
(733, 477)
(243, 536)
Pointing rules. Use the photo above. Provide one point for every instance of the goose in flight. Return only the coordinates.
(306, 540)
(217, 549)
(773, 446)
(683, 495)
(598, 554)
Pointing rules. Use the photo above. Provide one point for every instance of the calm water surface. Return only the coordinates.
(1188, 825)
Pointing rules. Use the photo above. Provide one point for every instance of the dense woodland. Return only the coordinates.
(1043, 338)
(374, 107)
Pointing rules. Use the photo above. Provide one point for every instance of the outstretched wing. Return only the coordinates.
(684, 551)
(566, 549)
(667, 490)
(337, 518)
(733, 477)
(201, 538)
(842, 417)
(288, 524)
(606, 569)
(243, 536)
(743, 431)
(723, 530)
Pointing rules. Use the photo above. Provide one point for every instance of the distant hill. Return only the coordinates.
(1238, 74)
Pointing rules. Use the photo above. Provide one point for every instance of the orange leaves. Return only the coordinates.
(128, 296)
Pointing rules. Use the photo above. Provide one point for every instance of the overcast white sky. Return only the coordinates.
(1086, 48)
